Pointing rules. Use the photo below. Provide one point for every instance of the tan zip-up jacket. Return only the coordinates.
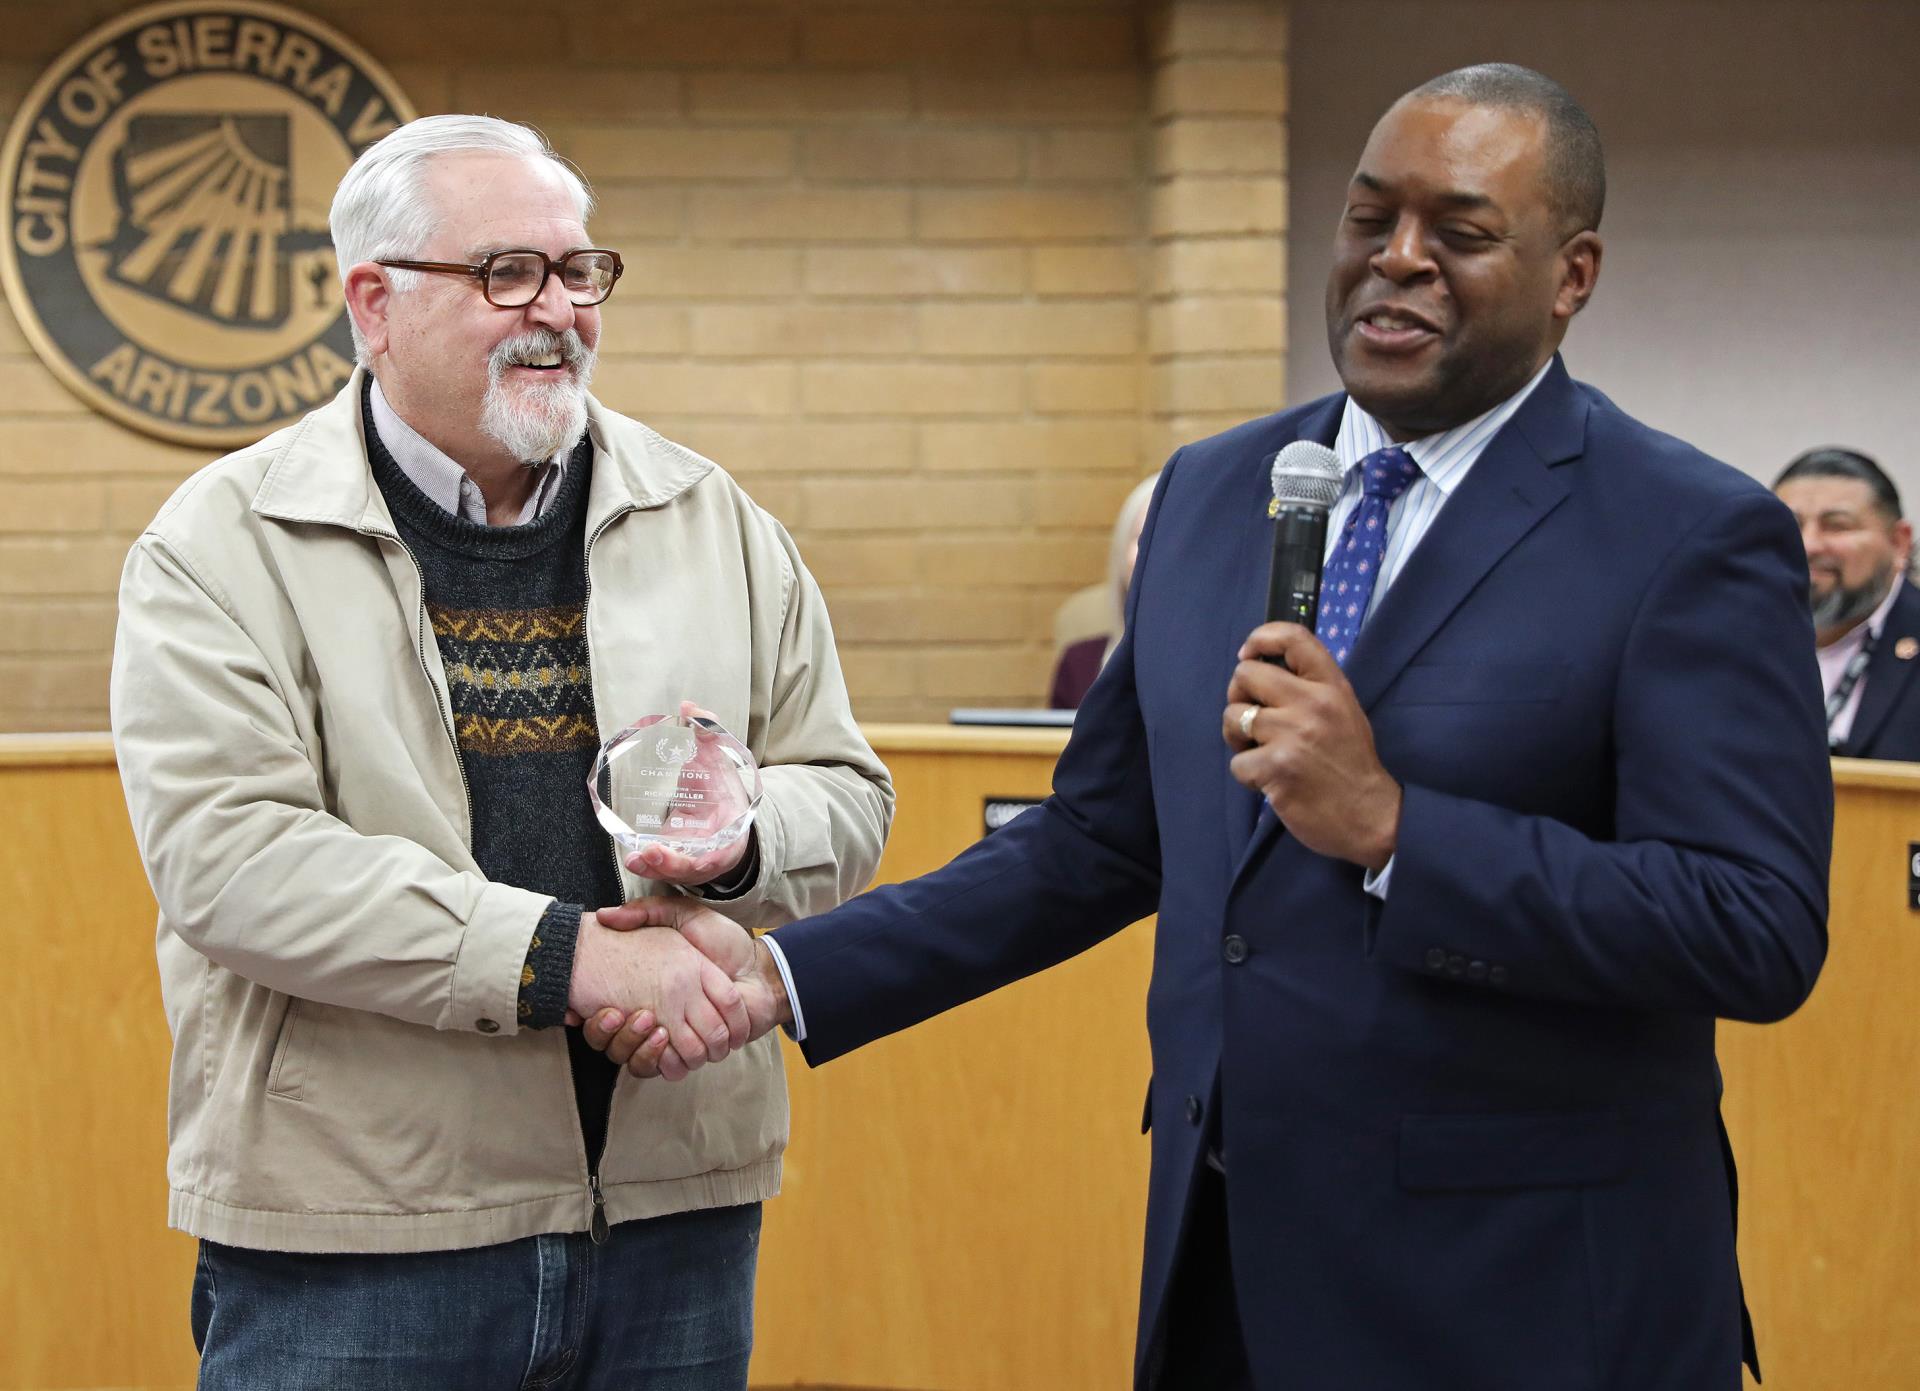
(348, 1071)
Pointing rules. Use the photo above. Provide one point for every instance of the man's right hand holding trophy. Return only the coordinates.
(677, 793)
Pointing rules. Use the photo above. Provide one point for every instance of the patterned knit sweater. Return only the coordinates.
(507, 606)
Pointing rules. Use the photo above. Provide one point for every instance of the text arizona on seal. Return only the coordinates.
(168, 181)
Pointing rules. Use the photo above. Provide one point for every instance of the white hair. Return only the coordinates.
(1120, 544)
(381, 210)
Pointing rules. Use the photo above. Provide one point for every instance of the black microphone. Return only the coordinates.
(1306, 483)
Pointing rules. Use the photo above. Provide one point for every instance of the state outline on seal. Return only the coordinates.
(168, 180)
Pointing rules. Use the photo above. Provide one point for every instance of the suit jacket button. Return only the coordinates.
(1193, 1110)
(1497, 975)
(1456, 965)
(1234, 949)
(1436, 958)
(1476, 970)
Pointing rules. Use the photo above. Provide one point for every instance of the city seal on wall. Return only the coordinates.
(168, 180)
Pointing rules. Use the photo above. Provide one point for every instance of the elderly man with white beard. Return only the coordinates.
(361, 674)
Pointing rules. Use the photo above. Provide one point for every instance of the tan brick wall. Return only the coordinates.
(936, 281)
(1217, 331)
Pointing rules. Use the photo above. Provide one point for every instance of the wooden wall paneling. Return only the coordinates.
(1825, 1124)
(93, 1287)
(963, 1201)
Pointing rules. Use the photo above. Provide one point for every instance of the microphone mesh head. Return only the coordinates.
(1306, 474)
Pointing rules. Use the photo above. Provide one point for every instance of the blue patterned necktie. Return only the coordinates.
(1346, 586)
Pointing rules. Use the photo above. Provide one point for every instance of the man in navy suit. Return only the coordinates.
(1866, 616)
(1445, 925)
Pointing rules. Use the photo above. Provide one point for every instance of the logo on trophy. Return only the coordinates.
(680, 781)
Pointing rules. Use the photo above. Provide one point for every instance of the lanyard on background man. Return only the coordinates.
(1856, 668)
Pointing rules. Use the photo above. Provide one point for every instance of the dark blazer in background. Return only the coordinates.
(1472, 1133)
(1887, 724)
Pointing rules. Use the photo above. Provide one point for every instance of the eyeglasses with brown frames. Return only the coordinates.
(514, 278)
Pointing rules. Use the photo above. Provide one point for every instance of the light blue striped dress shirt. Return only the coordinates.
(1444, 460)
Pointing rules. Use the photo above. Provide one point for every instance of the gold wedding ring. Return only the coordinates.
(1246, 722)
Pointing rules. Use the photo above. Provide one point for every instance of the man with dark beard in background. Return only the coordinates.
(1866, 616)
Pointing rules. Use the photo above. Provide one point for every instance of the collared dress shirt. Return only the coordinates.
(1836, 654)
(436, 474)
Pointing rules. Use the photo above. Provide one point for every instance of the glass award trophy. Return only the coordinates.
(679, 781)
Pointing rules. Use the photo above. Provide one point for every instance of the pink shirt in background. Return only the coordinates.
(1836, 654)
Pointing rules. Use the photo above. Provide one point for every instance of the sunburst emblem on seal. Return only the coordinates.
(169, 178)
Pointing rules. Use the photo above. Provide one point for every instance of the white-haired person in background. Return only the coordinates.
(362, 671)
(1079, 662)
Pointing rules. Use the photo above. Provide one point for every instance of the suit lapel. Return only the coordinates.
(1887, 675)
(1509, 490)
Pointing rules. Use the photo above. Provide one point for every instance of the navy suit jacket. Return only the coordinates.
(1472, 1133)
(1887, 724)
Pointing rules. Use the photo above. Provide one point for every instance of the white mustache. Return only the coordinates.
(539, 342)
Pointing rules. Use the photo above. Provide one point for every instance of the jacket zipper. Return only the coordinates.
(597, 1226)
(441, 700)
(586, 640)
(597, 1230)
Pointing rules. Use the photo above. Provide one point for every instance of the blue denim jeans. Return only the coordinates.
(665, 1305)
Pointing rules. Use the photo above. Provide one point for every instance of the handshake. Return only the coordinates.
(664, 986)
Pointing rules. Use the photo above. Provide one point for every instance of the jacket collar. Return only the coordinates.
(319, 471)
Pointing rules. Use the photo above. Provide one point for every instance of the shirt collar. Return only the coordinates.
(1445, 457)
(434, 472)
